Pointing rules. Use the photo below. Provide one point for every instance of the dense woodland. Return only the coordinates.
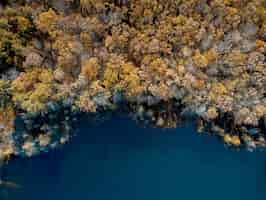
(166, 60)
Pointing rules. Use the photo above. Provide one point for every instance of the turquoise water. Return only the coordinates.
(119, 160)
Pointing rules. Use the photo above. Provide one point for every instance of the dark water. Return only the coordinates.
(122, 161)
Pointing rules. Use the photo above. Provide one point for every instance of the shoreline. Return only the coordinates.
(163, 62)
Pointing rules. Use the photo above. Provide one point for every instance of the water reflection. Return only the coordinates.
(120, 160)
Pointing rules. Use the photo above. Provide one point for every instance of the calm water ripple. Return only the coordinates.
(119, 160)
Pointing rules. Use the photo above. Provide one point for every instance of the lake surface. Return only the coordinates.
(119, 160)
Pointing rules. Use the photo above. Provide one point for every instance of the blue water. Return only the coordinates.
(119, 160)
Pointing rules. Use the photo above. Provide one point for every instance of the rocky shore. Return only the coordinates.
(161, 61)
